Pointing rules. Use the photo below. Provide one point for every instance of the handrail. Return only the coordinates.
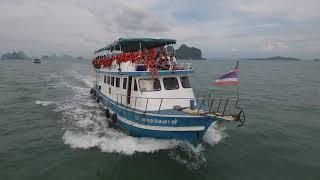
(202, 107)
(235, 99)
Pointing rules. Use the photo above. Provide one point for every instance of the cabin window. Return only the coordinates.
(105, 79)
(108, 80)
(170, 83)
(112, 81)
(135, 86)
(124, 83)
(117, 82)
(185, 82)
(148, 85)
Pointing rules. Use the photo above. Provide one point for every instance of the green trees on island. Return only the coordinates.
(185, 52)
(20, 55)
(15, 55)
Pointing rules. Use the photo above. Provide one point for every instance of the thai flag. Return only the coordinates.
(229, 79)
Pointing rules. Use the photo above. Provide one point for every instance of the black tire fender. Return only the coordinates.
(107, 112)
(114, 118)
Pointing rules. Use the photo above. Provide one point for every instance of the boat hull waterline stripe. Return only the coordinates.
(160, 128)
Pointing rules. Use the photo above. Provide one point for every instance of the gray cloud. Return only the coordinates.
(218, 27)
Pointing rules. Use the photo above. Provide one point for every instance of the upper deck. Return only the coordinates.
(139, 56)
(143, 67)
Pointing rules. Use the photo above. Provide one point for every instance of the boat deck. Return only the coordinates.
(189, 112)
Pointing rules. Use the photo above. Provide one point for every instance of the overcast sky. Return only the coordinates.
(221, 28)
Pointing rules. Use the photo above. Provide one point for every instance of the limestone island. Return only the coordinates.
(189, 53)
(276, 58)
(15, 55)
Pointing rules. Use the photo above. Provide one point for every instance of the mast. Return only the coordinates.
(238, 86)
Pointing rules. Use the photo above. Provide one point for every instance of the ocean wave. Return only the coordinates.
(117, 142)
(214, 135)
(45, 103)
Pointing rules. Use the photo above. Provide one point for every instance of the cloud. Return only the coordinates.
(292, 9)
(274, 45)
(77, 27)
(81, 26)
(234, 50)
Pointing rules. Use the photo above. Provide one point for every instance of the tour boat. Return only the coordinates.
(147, 93)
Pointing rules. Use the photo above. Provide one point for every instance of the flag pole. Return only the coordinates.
(238, 91)
(237, 67)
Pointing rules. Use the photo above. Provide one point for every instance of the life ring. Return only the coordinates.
(108, 113)
(114, 118)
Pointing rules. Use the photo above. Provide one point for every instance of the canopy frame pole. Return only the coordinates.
(115, 57)
(166, 48)
(140, 46)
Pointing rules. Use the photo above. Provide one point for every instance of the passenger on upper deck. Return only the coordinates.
(172, 62)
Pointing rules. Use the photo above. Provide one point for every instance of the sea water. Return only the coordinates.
(51, 128)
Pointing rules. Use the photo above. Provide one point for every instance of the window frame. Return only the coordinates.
(105, 79)
(108, 80)
(118, 82)
(112, 81)
(124, 83)
(188, 78)
(164, 84)
(135, 85)
(154, 79)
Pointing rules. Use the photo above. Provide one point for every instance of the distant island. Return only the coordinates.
(276, 58)
(189, 53)
(62, 57)
(316, 59)
(14, 55)
(80, 58)
(56, 57)
(183, 52)
(20, 55)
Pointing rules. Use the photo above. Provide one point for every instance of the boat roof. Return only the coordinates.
(133, 44)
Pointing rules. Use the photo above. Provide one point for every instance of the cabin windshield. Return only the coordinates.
(170, 83)
(148, 85)
(185, 82)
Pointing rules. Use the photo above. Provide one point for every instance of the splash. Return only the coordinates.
(45, 103)
(214, 135)
(117, 142)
